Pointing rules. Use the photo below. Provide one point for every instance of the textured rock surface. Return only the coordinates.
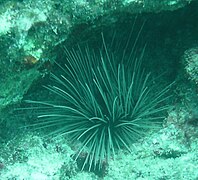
(191, 61)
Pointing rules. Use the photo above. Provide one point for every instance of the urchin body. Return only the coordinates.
(107, 104)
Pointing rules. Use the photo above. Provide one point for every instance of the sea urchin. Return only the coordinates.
(106, 104)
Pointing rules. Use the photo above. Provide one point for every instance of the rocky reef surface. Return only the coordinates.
(33, 35)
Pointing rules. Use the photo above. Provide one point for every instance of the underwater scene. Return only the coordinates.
(99, 90)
